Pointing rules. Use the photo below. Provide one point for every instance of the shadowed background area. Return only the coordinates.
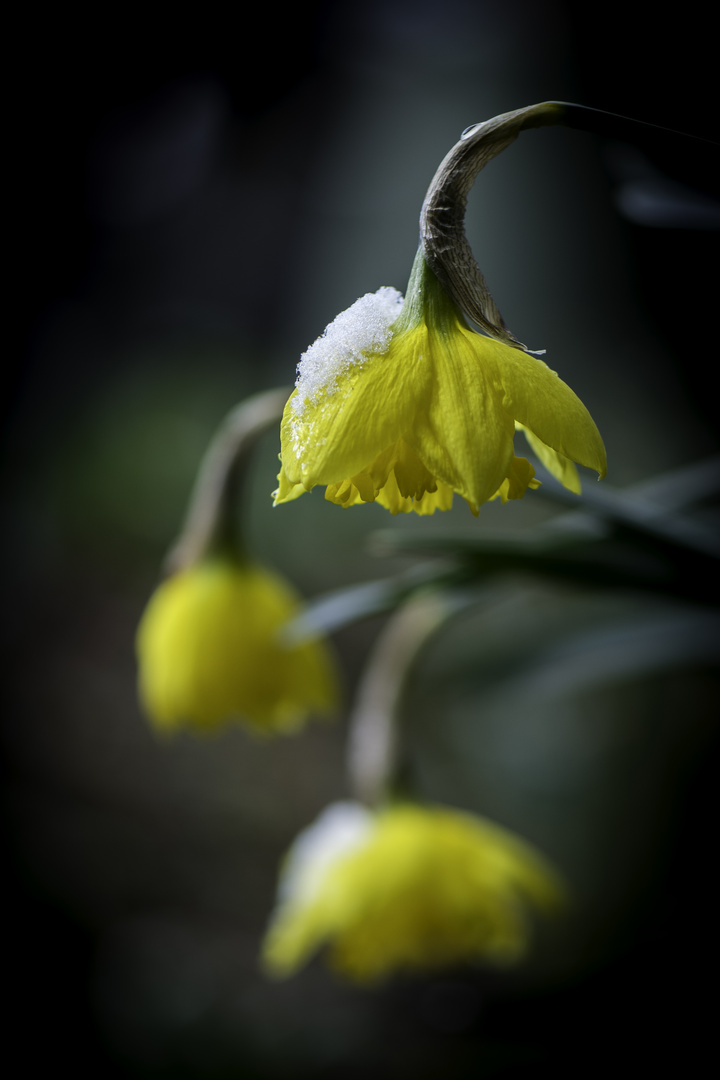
(193, 207)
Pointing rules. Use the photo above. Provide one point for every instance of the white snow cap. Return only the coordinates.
(341, 828)
(364, 328)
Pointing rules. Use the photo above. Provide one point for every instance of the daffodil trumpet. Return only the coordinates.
(404, 403)
(210, 643)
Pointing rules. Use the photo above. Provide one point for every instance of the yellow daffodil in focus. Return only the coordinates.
(405, 404)
(209, 651)
(407, 888)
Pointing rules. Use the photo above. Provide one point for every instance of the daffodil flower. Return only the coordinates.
(406, 888)
(210, 651)
(210, 644)
(405, 404)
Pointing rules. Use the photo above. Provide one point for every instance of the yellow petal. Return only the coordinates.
(556, 464)
(538, 399)
(391, 498)
(460, 431)
(520, 477)
(286, 491)
(337, 435)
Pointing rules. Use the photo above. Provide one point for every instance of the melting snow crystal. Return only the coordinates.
(364, 328)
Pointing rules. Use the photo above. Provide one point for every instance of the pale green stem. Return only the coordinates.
(376, 755)
(211, 524)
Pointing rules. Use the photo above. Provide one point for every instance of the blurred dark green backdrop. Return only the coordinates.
(194, 203)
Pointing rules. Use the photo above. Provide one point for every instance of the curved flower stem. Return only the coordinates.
(211, 521)
(442, 219)
(376, 756)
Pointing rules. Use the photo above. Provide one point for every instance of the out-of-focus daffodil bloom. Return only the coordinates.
(210, 651)
(407, 888)
(405, 404)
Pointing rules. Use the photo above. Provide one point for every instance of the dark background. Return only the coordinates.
(192, 200)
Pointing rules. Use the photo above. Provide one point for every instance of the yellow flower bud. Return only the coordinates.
(210, 651)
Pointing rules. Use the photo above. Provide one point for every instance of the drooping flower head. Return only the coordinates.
(406, 888)
(210, 644)
(210, 651)
(405, 404)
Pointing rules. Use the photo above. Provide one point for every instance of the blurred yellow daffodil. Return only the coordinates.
(209, 651)
(404, 404)
(407, 888)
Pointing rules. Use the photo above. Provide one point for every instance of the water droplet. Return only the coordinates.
(470, 131)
